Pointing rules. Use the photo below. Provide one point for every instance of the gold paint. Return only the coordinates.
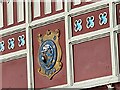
(49, 36)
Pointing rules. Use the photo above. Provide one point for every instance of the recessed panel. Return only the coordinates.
(14, 74)
(92, 59)
(49, 55)
(118, 13)
(12, 43)
(79, 3)
(90, 22)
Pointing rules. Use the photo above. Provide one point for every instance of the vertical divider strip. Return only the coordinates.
(30, 72)
(69, 54)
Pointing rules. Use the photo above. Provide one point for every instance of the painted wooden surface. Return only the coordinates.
(12, 43)
(92, 59)
(46, 8)
(79, 3)
(118, 13)
(60, 77)
(96, 22)
(14, 74)
(13, 14)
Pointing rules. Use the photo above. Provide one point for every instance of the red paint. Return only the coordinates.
(42, 13)
(5, 25)
(14, 74)
(117, 86)
(15, 36)
(83, 3)
(96, 21)
(60, 78)
(118, 13)
(92, 59)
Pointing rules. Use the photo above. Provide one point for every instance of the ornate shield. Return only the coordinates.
(49, 53)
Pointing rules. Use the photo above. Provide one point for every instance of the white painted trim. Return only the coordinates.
(59, 5)
(95, 82)
(116, 53)
(90, 34)
(1, 15)
(69, 52)
(47, 6)
(12, 29)
(76, 2)
(89, 6)
(60, 86)
(117, 27)
(30, 72)
(47, 19)
(12, 56)
(20, 10)
(36, 8)
(10, 15)
(112, 40)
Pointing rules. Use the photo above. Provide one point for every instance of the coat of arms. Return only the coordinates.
(49, 53)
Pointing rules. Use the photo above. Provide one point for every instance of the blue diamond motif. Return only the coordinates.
(11, 44)
(2, 47)
(103, 18)
(78, 25)
(90, 22)
(21, 41)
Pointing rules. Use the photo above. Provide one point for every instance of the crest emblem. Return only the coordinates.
(49, 53)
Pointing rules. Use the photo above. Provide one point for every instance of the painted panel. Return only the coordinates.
(59, 78)
(10, 16)
(59, 5)
(12, 43)
(90, 22)
(36, 8)
(14, 74)
(20, 10)
(79, 3)
(47, 6)
(1, 15)
(92, 59)
(118, 13)
(13, 14)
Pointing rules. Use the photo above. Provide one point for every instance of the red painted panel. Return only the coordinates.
(83, 2)
(14, 74)
(96, 21)
(117, 86)
(42, 13)
(16, 48)
(60, 77)
(118, 13)
(15, 15)
(92, 59)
